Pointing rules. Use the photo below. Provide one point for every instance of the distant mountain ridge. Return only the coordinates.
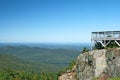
(73, 46)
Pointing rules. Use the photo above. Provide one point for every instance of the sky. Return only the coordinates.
(58, 21)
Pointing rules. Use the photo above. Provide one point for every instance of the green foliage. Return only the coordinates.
(98, 45)
(115, 78)
(97, 78)
(85, 50)
(112, 45)
(10, 74)
(71, 64)
(69, 67)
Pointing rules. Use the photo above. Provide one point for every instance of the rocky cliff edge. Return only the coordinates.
(101, 64)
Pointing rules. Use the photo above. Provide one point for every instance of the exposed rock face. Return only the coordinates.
(113, 62)
(98, 63)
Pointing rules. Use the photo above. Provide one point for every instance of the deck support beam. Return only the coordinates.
(117, 43)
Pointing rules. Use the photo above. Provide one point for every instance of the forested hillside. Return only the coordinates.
(43, 58)
(11, 62)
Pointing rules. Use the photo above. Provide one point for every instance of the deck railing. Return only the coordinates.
(105, 38)
(107, 35)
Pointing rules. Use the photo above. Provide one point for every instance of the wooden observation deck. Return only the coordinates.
(106, 38)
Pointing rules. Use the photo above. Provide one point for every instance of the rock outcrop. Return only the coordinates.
(100, 64)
